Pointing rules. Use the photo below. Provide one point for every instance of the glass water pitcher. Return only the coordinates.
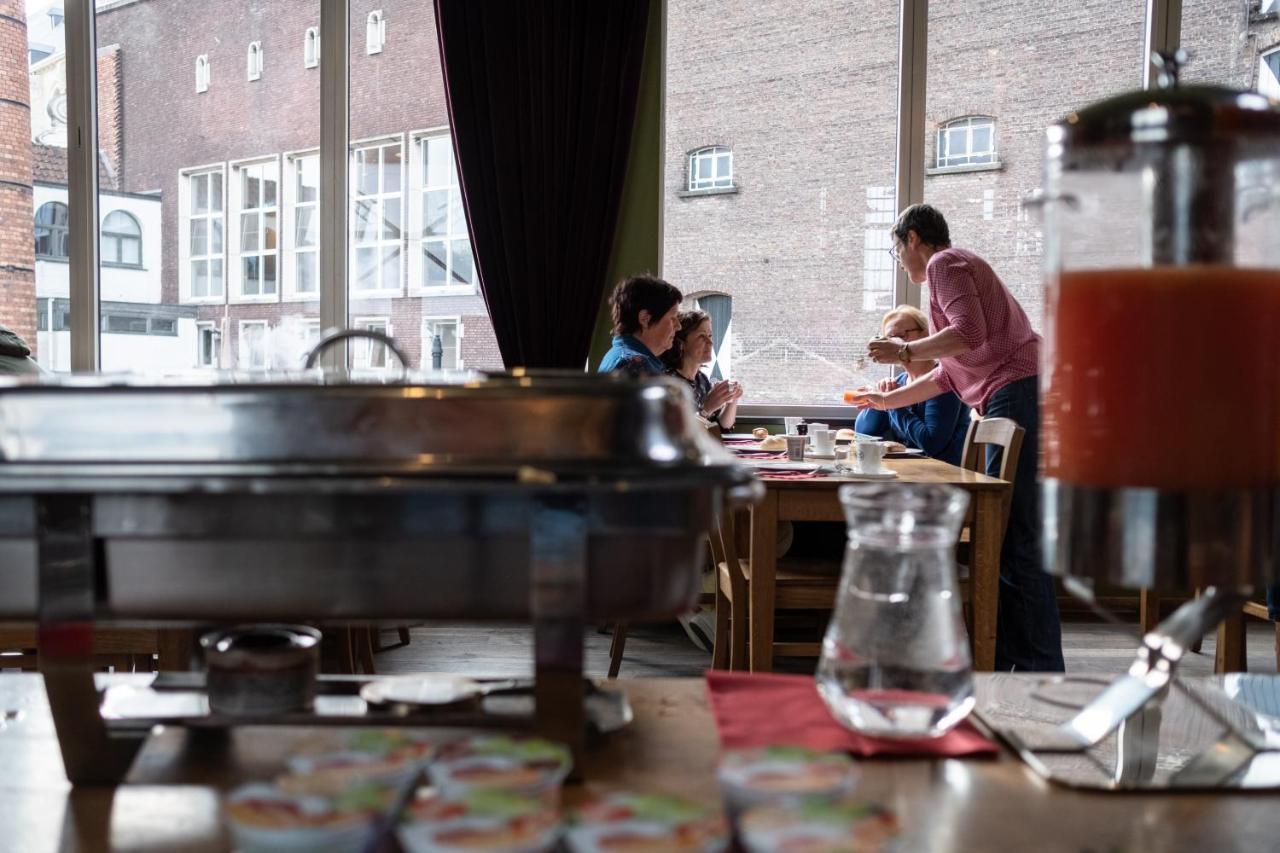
(895, 659)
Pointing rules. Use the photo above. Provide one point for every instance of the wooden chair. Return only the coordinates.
(983, 433)
(1231, 654)
(802, 584)
(121, 649)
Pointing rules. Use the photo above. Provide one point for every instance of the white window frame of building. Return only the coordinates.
(722, 356)
(244, 356)
(202, 73)
(455, 237)
(376, 200)
(211, 356)
(962, 130)
(295, 253)
(311, 48)
(120, 231)
(253, 61)
(212, 223)
(1269, 72)
(704, 168)
(253, 234)
(375, 32)
(59, 232)
(366, 352)
(878, 265)
(428, 324)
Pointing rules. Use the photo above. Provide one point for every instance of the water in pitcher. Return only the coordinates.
(895, 659)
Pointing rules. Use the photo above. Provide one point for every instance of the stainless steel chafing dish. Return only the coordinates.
(554, 498)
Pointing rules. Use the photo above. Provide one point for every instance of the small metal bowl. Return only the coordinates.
(261, 669)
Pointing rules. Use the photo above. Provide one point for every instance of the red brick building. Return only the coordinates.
(17, 255)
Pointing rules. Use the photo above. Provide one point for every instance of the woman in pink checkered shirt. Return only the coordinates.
(989, 356)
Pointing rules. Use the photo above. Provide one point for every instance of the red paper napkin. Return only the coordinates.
(761, 709)
(759, 454)
(739, 441)
(785, 475)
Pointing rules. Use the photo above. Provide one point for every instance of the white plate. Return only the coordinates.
(884, 474)
(813, 455)
(781, 466)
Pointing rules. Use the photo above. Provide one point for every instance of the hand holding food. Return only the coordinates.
(884, 350)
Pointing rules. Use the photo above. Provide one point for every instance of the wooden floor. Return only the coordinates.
(664, 650)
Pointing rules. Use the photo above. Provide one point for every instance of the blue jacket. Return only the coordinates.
(630, 356)
(937, 426)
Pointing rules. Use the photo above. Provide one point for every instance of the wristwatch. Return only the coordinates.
(904, 353)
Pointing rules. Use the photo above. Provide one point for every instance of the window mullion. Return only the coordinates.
(335, 40)
(82, 183)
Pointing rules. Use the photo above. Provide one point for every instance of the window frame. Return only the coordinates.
(242, 343)
(375, 32)
(311, 48)
(119, 237)
(185, 258)
(416, 194)
(382, 195)
(1266, 60)
(253, 61)
(456, 320)
(214, 328)
(54, 229)
(967, 122)
(361, 356)
(234, 249)
(290, 250)
(203, 74)
(713, 154)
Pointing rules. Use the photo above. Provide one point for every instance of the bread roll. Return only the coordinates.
(774, 442)
(760, 433)
(844, 435)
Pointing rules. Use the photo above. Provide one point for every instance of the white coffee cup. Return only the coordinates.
(824, 440)
(867, 456)
(812, 428)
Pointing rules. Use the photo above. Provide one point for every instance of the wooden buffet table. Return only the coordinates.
(172, 799)
(816, 500)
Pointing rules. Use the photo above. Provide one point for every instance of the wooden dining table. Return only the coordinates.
(816, 499)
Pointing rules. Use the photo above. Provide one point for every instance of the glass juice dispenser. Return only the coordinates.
(1161, 379)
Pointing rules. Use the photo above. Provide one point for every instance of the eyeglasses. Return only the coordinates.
(893, 253)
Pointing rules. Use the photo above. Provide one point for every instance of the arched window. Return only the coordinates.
(202, 73)
(967, 141)
(121, 239)
(719, 308)
(375, 33)
(253, 62)
(51, 231)
(711, 168)
(311, 47)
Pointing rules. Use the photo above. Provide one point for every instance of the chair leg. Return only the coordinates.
(1148, 611)
(739, 659)
(403, 633)
(362, 641)
(1231, 652)
(615, 648)
(346, 660)
(720, 651)
(1196, 646)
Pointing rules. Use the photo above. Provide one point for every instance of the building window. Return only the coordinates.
(440, 343)
(203, 235)
(208, 345)
(446, 248)
(305, 183)
(121, 239)
(202, 73)
(254, 345)
(711, 168)
(1269, 74)
(967, 142)
(719, 308)
(51, 231)
(375, 32)
(878, 266)
(366, 352)
(375, 217)
(255, 200)
(116, 323)
(253, 67)
(311, 47)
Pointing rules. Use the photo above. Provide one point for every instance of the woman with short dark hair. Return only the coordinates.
(691, 348)
(645, 322)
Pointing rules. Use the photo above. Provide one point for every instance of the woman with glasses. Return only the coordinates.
(938, 425)
(989, 356)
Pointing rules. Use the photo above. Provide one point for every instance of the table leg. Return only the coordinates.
(988, 525)
(764, 569)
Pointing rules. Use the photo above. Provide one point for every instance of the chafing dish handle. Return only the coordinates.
(334, 335)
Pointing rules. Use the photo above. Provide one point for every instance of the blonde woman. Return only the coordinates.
(938, 425)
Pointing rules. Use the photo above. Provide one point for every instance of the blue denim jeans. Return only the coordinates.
(1028, 630)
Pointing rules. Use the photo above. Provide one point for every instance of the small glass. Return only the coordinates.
(895, 659)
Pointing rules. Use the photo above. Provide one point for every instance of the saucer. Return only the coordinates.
(882, 474)
(813, 454)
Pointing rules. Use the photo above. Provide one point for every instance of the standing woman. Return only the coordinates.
(645, 321)
(692, 348)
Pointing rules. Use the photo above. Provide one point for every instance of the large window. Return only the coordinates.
(51, 231)
(303, 224)
(201, 236)
(445, 256)
(377, 179)
(121, 239)
(440, 341)
(255, 198)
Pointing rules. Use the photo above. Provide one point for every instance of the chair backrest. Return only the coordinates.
(998, 432)
(726, 537)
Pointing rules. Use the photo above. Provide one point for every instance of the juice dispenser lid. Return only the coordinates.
(1171, 114)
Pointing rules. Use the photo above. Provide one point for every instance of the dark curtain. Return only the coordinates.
(542, 101)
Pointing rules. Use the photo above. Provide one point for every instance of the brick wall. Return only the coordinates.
(17, 249)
